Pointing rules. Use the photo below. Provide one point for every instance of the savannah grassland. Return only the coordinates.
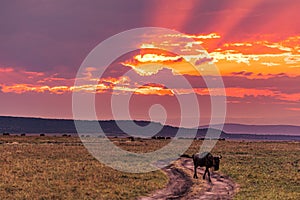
(61, 168)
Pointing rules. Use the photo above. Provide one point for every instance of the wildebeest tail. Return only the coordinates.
(186, 156)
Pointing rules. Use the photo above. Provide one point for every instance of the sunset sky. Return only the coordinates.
(254, 44)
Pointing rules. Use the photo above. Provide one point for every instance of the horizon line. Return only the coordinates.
(140, 120)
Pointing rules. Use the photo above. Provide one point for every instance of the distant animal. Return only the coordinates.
(206, 160)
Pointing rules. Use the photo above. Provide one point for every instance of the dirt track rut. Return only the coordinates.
(180, 185)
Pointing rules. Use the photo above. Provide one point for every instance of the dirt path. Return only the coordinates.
(178, 186)
(181, 185)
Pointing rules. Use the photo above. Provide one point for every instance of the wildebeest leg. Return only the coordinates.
(204, 173)
(208, 175)
(195, 172)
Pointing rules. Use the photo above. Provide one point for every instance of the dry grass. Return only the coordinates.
(61, 168)
(264, 170)
(55, 168)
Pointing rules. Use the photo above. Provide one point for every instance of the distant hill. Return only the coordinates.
(261, 129)
(18, 125)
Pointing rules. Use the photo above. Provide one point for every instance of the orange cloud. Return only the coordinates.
(240, 93)
(21, 81)
(154, 89)
(22, 88)
(6, 70)
(293, 109)
(260, 57)
(122, 86)
(197, 37)
(10, 76)
(253, 59)
(156, 58)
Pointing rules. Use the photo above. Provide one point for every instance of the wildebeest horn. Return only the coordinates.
(220, 156)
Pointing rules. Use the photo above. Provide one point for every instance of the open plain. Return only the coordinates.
(35, 167)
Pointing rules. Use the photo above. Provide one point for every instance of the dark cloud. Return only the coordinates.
(203, 60)
(41, 35)
(284, 84)
(49, 35)
(244, 73)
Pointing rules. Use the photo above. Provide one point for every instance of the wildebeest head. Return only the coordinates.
(216, 162)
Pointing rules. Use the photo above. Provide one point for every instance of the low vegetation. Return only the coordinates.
(61, 168)
(264, 170)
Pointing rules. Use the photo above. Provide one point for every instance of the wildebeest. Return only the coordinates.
(206, 160)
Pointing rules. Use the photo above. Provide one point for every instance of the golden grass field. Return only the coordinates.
(34, 167)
